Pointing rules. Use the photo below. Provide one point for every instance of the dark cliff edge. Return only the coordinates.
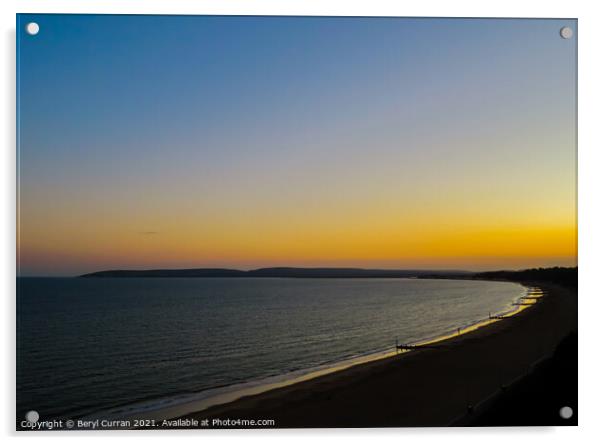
(563, 276)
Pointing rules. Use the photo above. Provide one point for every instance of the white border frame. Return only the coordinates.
(590, 216)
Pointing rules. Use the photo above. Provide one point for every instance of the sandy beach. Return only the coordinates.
(428, 387)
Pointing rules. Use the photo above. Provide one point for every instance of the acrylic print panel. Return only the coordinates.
(270, 222)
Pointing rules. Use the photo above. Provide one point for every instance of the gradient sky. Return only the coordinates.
(183, 141)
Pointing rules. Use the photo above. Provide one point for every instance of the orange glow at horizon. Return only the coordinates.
(515, 225)
(249, 244)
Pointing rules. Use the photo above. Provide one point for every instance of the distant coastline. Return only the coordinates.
(560, 275)
(278, 272)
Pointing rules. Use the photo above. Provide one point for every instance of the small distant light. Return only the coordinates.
(566, 412)
(566, 32)
(32, 28)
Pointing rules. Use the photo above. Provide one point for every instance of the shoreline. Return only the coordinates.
(297, 403)
(187, 405)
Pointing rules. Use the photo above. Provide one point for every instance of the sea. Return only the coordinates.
(154, 347)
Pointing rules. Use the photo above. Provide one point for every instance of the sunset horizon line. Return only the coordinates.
(358, 268)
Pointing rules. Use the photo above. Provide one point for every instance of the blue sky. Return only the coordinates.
(131, 124)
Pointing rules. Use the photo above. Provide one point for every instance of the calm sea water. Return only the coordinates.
(86, 346)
